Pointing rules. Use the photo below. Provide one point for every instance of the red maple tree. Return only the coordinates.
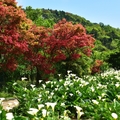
(12, 33)
(68, 42)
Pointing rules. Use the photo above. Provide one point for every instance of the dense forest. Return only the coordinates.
(107, 37)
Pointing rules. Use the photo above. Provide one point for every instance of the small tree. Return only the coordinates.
(13, 35)
(68, 46)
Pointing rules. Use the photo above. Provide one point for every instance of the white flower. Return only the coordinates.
(14, 83)
(92, 88)
(60, 80)
(63, 96)
(44, 86)
(44, 112)
(1, 99)
(40, 95)
(103, 94)
(32, 85)
(39, 99)
(62, 104)
(25, 89)
(86, 83)
(40, 81)
(78, 108)
(51, 104)
(57, 86)
(23, 78)
(118, 96)
(71, 94)
(117, 85)
(66, 118)
(48, 113)
(103, 99)
(99, 97)
(52, 93)
(79, 112)
(66, 83)
(54, 82)
(56, 89)
(59, 75)
(79, 93)
(48, 104)
(71, 84)
(50, 97)
(47, 82)
(47, 92)
(69, 71)
(33, 111)
(66, 113)
(73, 75)
(114, 115)
(0, 111)
(9, 116)
(95, 102)
(40, 106)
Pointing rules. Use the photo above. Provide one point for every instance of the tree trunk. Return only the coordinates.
(38, 76)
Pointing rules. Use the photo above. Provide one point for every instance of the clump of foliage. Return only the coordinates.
(13, 43)
(89, 97)
(13, 38)
(114, 60)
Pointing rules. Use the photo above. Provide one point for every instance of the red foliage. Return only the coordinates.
(69, 39)
(75, 56)
(59, 57)
(11, 64)
(50, 46)
(88, 52)
(96, 66)
(12, 33)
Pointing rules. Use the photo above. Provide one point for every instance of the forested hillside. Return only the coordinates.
(106, 34)
(107, 37)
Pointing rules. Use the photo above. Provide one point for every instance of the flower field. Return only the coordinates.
(72, 98)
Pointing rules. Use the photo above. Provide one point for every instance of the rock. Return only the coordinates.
(9, 104)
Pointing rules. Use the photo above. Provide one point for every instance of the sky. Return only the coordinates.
(96, 11)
